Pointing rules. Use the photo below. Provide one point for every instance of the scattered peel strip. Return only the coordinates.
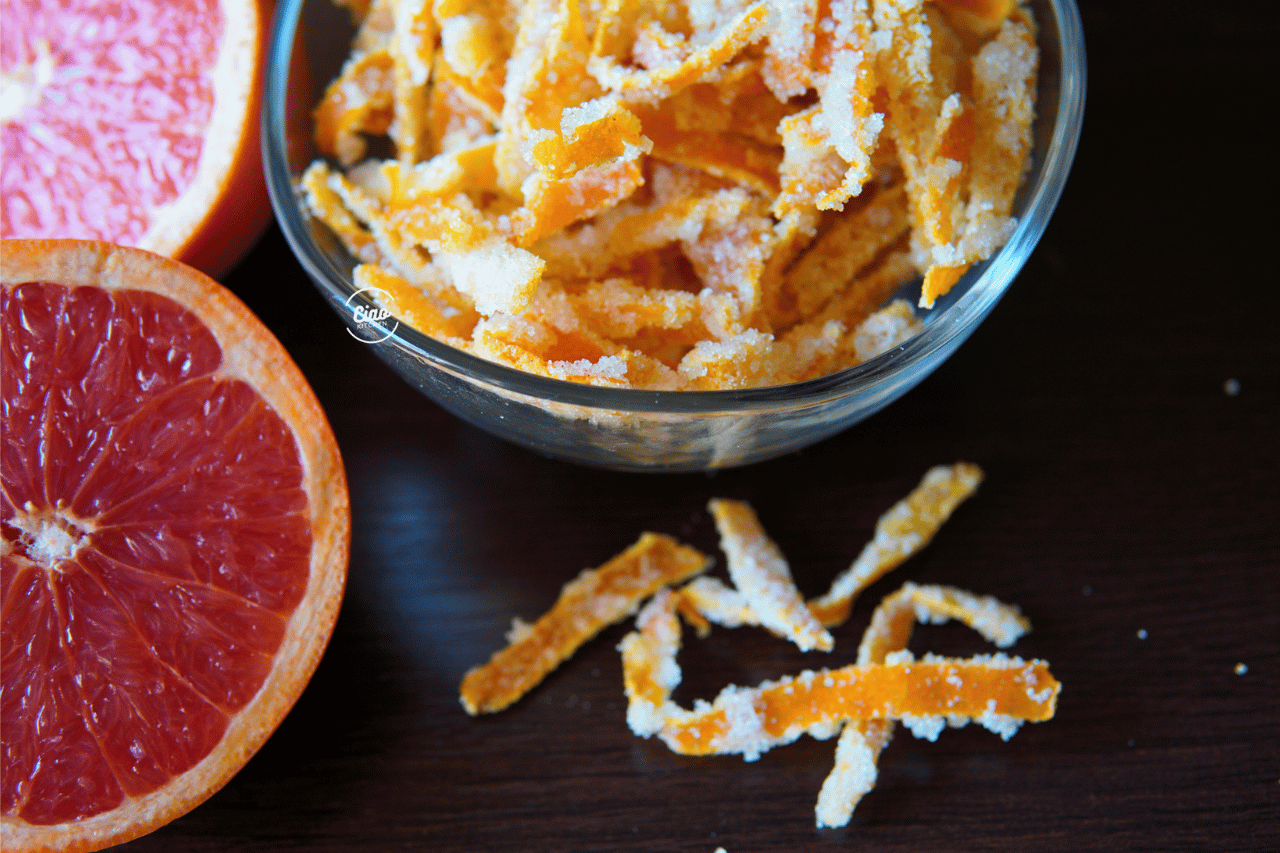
(999, 623)
(901, 532)
(649, 669)
(762, 576)
(749, 721)
(651, 674)
(855, 772)
(861, 741)
(594, 600)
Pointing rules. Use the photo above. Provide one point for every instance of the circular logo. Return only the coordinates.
(370, 324)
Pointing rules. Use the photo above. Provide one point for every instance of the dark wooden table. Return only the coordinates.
(1132, 508)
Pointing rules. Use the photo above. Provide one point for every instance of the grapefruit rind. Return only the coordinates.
(250, 352)
(229, 187)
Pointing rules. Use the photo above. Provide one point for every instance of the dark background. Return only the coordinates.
(1131, 508)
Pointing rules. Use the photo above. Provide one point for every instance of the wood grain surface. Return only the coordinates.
(1131, 508)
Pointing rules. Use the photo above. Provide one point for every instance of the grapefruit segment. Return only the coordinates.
(175, 534)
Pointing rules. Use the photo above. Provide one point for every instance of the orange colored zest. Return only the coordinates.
(762, 575)
(901, 532)
(783, 710)
(359, 101)
(594, 600)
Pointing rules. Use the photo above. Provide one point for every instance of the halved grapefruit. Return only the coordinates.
(175, 530)
(135, 123)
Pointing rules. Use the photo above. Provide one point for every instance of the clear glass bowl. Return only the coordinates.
(652, 430)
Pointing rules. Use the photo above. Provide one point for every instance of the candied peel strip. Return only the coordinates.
(830, 145)
(360, 100)
(749, 721)
(653, 84)
(760, 572)
(591, 602)
(852, 242)
(888, 633)
(855, 772)
(455, 117)
(900, 533)
(552, 204)
(412, 49)
(649, 669)
(1004, 74)
(706, 600)
(1000, 623)
(858, 749)
(415, 306)
(546, 75)
(327, 206)
(465, 168)
(735, 158)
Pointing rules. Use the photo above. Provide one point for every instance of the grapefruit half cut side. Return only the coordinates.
(136, 123)
(175, 531)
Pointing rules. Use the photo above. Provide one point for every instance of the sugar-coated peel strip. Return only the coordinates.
(888, 633)
(327, 204)
(742, 725)
(708, 600)
(829, 146)
(454, 117)
(1004, 75)
(761, 574)
(594, 600)
(999, 623)
(834, 259)
(901, 532)
(412, 49)
(749, 721)
(738, 159)
(651, 85)
(855, 772)
(861, 741)
(415, 305)
(649, 669)
(359, 101)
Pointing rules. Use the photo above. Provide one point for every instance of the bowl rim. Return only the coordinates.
(905, 364)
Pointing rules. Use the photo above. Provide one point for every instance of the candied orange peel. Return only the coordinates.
(594, 600)
(660, 580)
(760, 177)
(752, 720)
(904, 530)
(762, 576)
(861, 702)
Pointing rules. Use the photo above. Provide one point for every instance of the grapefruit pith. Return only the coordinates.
(175, 530)
(135, 123)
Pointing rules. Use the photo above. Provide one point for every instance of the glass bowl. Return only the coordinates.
(651, 430)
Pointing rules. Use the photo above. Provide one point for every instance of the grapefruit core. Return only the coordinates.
(135, 123)
(175, 530)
